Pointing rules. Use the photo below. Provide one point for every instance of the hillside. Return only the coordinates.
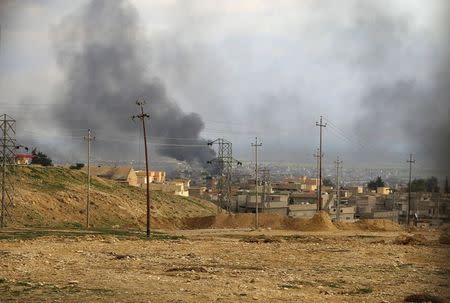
(56, 197)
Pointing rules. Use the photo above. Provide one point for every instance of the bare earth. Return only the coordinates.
(224, 266)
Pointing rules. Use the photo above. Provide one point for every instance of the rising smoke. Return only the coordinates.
(409, 109)
(102, 54)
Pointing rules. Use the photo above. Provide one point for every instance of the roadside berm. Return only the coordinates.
(319, 222)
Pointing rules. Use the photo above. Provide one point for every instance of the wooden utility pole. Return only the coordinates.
(88, 138)
(338, 193)
(317, 155)
(256, 145)
(410, 161)
(320, 125)
(142, 117)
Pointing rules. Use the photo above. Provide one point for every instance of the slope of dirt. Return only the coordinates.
(320, 222)
(56, 196)
(370, 225)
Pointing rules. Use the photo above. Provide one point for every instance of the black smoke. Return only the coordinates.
(106, 64)
(408, 108)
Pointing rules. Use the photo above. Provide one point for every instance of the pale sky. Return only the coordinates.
(254, 68)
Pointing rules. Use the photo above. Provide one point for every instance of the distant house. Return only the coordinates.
(154, 177)
(305, 211)
(179, 188)
(122, 174)
(197, 191)
(383, 190)
(24, 159)
(347, 213)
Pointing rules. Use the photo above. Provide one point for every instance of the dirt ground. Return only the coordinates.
(225, 265)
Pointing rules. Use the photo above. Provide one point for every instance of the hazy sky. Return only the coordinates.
(376, 70)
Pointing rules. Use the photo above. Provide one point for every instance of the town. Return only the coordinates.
(225, 151)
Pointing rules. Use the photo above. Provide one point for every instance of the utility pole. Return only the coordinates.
(4, 161)
(256, 145)
(317, 155)
(7, 157)
(265, 181)
(410, 161)
(142, 116)
(320, 125)
(224, 163)
(88, 138)
(338, 193)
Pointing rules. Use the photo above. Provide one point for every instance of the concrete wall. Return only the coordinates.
(302, 210)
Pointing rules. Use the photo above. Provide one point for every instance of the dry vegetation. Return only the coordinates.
(212, 259)
(56, 196)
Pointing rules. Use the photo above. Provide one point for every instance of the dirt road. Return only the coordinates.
(224, 266)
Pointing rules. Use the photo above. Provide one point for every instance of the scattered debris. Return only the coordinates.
(120, 256)
(410, 239)
(261, 239)
(188, 268)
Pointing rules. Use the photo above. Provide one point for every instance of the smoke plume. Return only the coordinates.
(418, 111)
(103, 55)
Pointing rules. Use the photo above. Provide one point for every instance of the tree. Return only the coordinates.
(77, 166)
(327, 182)
(429, 185)
(374, 184)
(418, 185)
(432, 185)
(446, 185)
(40, 158)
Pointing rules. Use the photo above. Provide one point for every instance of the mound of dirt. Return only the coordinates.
(410, 239)
(320, 222)
(56, 197)
(245, 220)
(370, 225)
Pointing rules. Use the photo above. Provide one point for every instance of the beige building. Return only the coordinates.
(154, 176)
(23, 159)
(173, 188)
(182, 186)
(356, 189)
(121, 174)
(347, 214)
(198, 191)
(305, 211)
(383, 190)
